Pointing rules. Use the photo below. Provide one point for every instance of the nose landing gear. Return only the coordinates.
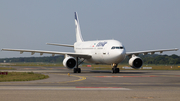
(115, 69)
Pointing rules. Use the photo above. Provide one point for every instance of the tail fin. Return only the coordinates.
(78, 30)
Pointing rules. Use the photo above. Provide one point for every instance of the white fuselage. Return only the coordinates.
(102, 51)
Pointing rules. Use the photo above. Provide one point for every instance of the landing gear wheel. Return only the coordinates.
(79, 70)
(75, 70)
(115, 70)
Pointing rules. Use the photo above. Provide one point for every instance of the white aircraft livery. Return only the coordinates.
(98, 52)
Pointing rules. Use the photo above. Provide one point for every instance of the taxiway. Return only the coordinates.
(94, 85)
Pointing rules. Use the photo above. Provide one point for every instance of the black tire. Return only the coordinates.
(79, 70)
(75, 70)
(117, 70)
(113, 70)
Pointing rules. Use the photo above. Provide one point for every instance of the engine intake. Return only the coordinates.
(135, 62)
(69, 62)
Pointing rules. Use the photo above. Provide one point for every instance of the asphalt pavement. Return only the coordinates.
(101, 85)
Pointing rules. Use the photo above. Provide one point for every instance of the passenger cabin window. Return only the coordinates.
(117, 47)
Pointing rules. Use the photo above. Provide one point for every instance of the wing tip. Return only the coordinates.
(3, 49)
(176, 49)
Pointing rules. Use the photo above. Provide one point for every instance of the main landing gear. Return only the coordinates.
(115, 69)
(77, 69)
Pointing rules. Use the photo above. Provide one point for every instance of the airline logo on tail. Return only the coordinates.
(78, 30)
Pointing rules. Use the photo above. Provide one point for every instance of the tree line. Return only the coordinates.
(147, 59)
(50, 59)
(158, 59)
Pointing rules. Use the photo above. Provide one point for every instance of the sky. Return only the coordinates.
(138, 24)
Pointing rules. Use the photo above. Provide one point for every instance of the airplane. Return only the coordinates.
(111, 52)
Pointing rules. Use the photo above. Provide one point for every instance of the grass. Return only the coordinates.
(22, 76)
(33, 64)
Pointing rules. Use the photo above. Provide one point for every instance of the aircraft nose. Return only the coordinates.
(117, 55)
(121, 54)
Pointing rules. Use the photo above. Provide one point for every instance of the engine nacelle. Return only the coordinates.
(69, 62)
(135, 62)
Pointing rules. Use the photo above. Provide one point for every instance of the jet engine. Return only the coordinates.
(135, 62)
(69, 62)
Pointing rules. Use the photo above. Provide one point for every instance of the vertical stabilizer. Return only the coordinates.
(78, 30)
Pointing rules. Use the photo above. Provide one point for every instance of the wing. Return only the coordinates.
(81, 55)
(149, 51)
(60, 44)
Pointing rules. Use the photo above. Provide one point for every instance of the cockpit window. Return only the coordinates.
(121, 47)
(114, 47)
